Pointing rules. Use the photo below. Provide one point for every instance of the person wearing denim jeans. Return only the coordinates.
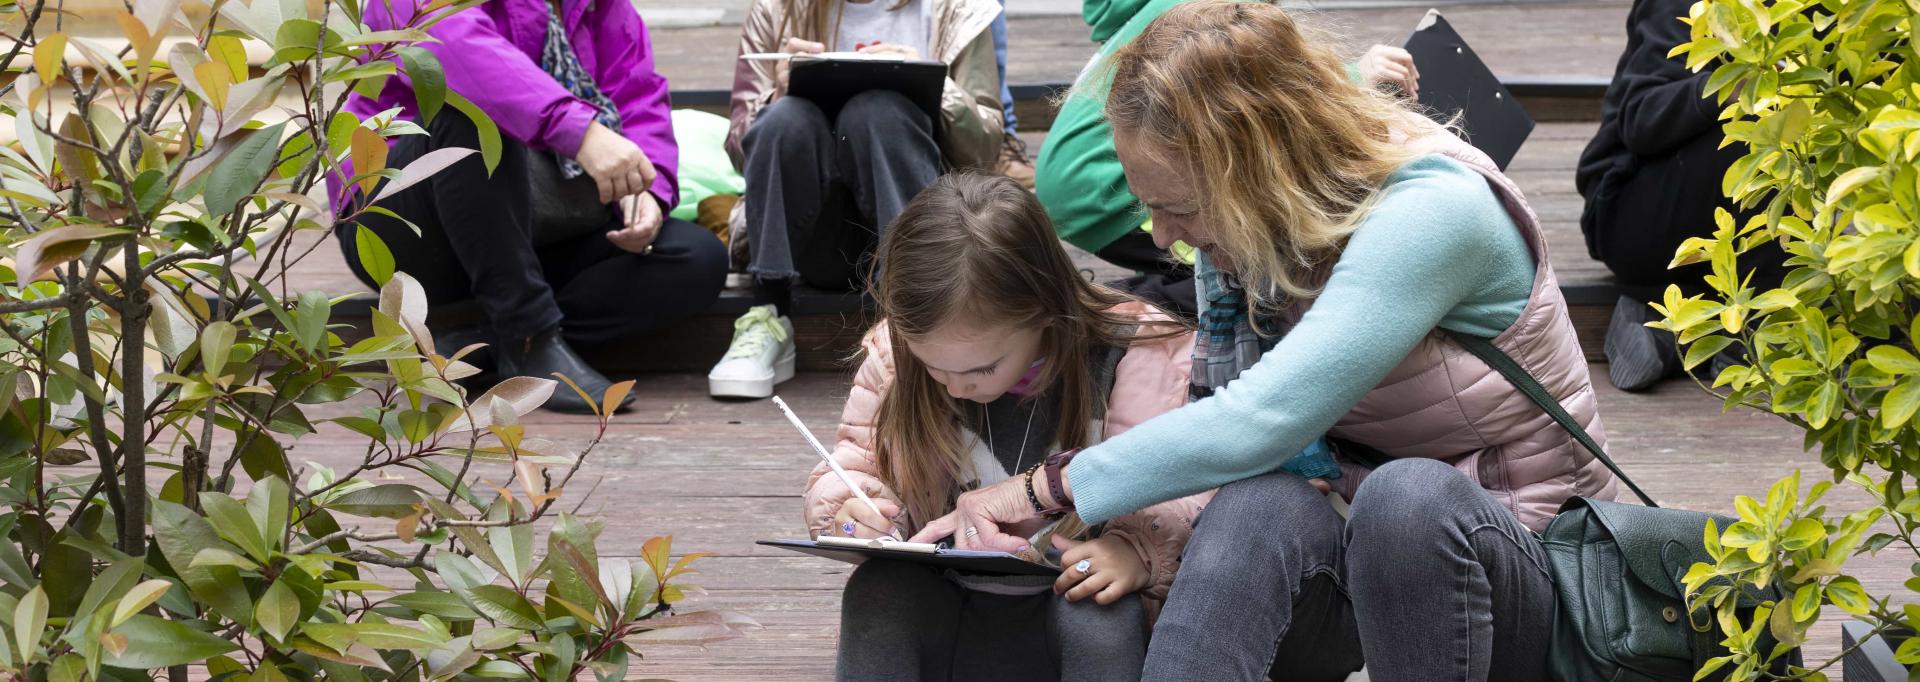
(1412, 521)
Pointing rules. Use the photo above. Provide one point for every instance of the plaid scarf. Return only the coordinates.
(558, 60)
(1227, 345)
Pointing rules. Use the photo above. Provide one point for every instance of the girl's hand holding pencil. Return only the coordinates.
(856, 520)
(881, 517)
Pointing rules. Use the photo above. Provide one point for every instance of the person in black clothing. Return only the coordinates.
(1651, 179)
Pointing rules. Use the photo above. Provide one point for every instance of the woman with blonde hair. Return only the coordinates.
(1346, 243)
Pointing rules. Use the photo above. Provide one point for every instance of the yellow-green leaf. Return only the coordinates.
(278, 610)
(228, 51)
(1803, 534)
(1704, 350)
(1853, 180)
(1893, 360)
(1900, 403)
(138, 599)
(29, 621)
(47, 57)
(1847, 594)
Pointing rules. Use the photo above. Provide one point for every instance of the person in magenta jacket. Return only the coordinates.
(572, 87)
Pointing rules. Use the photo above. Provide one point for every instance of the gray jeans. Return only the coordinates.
(1429, 579)
(902, 621)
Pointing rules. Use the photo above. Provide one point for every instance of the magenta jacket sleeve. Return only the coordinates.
(624, 70)
(482, 65)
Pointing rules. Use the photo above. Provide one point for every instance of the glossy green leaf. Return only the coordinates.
(439, 604)
(428, 80)
(235, 525)
(241, 172)
(489, 133)
(504, 606)
(278, 610)
(138, 599)
(387, 500)
(30, 622)
(157, 643)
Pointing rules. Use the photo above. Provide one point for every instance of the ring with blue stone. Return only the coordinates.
(1084, 566)
(847, 528)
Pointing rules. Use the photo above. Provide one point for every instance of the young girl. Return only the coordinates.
(824, 177)
(993, 352)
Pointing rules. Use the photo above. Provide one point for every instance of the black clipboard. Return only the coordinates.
(1453, 81)
(962, 560)
(830, 82)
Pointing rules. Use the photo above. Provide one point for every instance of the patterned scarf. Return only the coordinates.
(1227, 345)
(559, 60)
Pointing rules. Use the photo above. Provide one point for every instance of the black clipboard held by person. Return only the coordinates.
(830, 81)
(1453, 81)
(854, 551)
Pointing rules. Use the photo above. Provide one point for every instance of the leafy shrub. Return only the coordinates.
(156, 366)
(1827, 97)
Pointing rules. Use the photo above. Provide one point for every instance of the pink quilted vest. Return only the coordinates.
(1443, 403)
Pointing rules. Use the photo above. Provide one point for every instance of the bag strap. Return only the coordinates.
(1483, 348)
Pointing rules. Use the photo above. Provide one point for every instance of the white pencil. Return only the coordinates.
(827, 457)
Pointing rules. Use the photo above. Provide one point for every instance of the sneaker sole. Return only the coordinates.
(752, 388)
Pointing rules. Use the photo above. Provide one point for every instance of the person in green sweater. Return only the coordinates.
(1346, 243)
(1078, 177)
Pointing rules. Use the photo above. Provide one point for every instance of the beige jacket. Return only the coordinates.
(1443, 399)
(1151, 379)
(971, 122)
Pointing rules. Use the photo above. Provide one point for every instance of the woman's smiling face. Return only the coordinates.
(1171, 194)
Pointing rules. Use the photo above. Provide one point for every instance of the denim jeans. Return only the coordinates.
(999, 30)
(902, 621)
(1430, 578)
(803, 169)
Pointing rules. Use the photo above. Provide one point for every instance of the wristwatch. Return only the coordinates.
(1055, 467)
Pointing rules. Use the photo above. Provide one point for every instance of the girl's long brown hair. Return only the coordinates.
(1288, 152)
(980, 249)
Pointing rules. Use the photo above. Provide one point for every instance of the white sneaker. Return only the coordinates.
(761, 356)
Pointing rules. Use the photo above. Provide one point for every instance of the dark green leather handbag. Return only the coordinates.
(1622, 613)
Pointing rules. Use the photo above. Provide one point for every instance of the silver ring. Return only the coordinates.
(1085, 567)
(972, 532)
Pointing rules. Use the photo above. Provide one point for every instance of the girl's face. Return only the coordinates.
(1171, 195)
(977, 362)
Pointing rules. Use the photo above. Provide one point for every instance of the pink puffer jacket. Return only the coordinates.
(1151, 378)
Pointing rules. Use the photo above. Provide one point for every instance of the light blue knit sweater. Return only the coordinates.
(1438, 250)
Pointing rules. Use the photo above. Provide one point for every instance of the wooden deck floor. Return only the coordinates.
(720, 475)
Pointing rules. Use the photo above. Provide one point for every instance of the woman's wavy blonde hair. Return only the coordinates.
(1286, 150)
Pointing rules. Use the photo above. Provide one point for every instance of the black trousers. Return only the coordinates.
(475, 244)
(822, 190)
(1646, 206)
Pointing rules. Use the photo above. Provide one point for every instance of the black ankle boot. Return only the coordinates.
(545, 354)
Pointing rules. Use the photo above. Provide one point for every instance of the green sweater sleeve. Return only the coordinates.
(1438, 250)
(1077, 177)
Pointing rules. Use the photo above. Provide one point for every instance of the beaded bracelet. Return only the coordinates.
(1031, 497)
